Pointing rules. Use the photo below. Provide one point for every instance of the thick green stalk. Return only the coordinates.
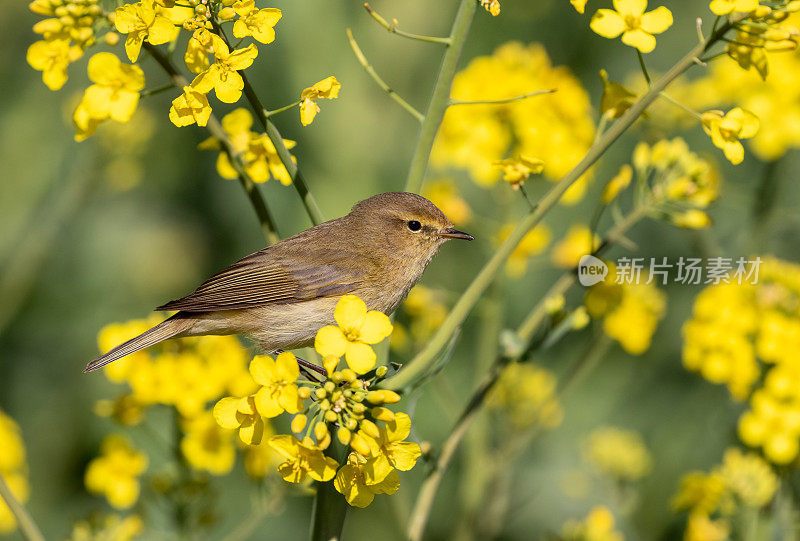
(215, 128)
(420, 363)
(26, 524)
(440, 99)
(330, 507)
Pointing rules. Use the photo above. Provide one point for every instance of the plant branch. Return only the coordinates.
(377, 78)
(214, 127)
(394, 30)
(24, 520)
(440, 99)
(505, 100)
(420, 363)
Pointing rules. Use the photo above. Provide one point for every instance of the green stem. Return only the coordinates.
(678, 104)
(394, 30)
(504, 100)
(330, 507)
(642, 65)
(420, 363)
(440, 99)
(26, 524)
(281, 109)
(215, 128)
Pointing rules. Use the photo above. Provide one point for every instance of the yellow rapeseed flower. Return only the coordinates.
(629, 19)
(255, 22)
(388, 450)
(724, 7)
(13, 468)
(726, 129)
(492, 6)
(240, 413)
(621, 181)
(303, 459)
(578, 242)
(597, 526)
(517, 170)
(141, 21)
(223, 75)
(533, 243)
(115, 473)
(206, 446)
(444, 194)
(191, 107)
(749, 477)
(52, 57)
(197, 50)
(616, 98)
(619, 453)
(277, 378)
(327, 88)
(351, 481)
(528, 394)
(357, 329)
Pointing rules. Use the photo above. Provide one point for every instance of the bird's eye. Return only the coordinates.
(414, 225)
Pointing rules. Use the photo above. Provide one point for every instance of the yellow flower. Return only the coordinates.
(726, 130)
(141, 21)
(629, 19)
(619, 453)
(351, 481)
(258, 154)
(357, 328)
(240, 413)
(749, 477)
(633, 322)
(597, 526)
(261, 459)
(255, 22)
(533, 243)
(618, 183)
(189, 108)
(277, 378)
(444, 194)
(206, 446)
(528, 393)
(388, 450)
(52, 57)
(222, 75)
(196, 57)
(577, 243)
(616, 98)
(579, 5)
(13, 467)
(724, 7)
(303, 458)
(517, 170)
(692, 219)
(115, 472)
(109, 527)
(327, 88)
(492, 6)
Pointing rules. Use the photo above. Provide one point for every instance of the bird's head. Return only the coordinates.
(407, 223)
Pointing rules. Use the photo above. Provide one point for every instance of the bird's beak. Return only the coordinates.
(451, 233)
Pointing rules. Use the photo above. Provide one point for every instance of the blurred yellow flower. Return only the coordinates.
(261, 459)
(357, 329)
(749, 477)
(619, 453)
(699, 527)
(633, 322)
(141, 21)
(578, 242)
(579, 5)
(724, 7)
(110, 527)
(13, 468)
(700, 492)
(517, 170)
(303, 459)
(727, 129)
(325, 89)
(191, 107)
(207, 447)
(255, 22)
(223, 75)
(533, 243)
(426, 310)
(617, 184)
(492, 6)
(115, 472)
(240, 413)
(597, 526)
(528, 394)
(629, 19)
(616, 98)
(351, 481)
(277, 378)
(444, 194)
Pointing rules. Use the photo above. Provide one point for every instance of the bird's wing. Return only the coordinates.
(263, 278)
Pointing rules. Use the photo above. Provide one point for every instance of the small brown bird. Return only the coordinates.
(282, 295)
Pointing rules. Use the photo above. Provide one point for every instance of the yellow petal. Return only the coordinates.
(229, 87)
(360, 357)
(734, 151)
(289, 399)
(630, 7)
(240, 29)
(748, 121)
(133, 44)
(97, 100)
(399, 428)
(321, 467)
(389, 485)
(376, 469)
(243, 8)
(225, 412)
(376, 327)
(287, 368)
(263, 370)
(161, 31)
(285, 444)
(308, 111)
(350, 313)
(252, 434)
(237, 121)
(657, 21)
(639, 39)
(103, 68)
(122, 105)
(243, 58)
(330, 341)
(404, 454)
(607, 23)
(579, 5)
(268, 402)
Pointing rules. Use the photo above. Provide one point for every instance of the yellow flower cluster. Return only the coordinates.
(630, 311)
(256, 152)
(534, 242)
(527, 393)
(558, 125)
(621, 454)
(66, 34)
(732, 328)
(598, 525)
(715, 499)
(110, 527)
(13, 468)
(343, 404)
(115, 473)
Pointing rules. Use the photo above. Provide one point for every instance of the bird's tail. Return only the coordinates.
(168, 328)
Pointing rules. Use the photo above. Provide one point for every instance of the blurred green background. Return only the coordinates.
(79, 248)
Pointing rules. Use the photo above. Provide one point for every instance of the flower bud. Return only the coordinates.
(381, 371)
(760, 12)
(325, 404)
(337, 377)
(382, 414)
(343, 435)
(304, 393)
(226, 13)
(329, 386)
(331, 416)
(370, 428)
(324, 442)
(358, 408)
(351, 424)
(383, 396)
(320, 393)
(320, 431)
(348, 374)
(299, 423)
(781, 46)
(359, 444)
(330, 362)
(111, 38)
